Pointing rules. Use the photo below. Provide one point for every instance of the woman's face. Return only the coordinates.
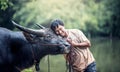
(60, 30)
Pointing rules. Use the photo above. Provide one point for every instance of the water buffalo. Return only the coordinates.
(22, 49)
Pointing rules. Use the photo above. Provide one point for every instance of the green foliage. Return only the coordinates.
(97, 17)
(4, 4)
(7, 10)
(114, 7)
(6, 13)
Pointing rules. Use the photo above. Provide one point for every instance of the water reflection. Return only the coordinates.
(107, 54)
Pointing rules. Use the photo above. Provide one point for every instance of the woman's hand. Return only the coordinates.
(72, 42)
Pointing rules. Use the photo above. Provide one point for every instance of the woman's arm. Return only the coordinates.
(82, 44)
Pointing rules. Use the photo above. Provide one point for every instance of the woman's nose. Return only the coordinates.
(60, 32)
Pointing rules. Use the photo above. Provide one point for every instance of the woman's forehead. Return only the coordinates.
(59, 27)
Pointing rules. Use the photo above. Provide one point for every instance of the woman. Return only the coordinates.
(80, 57)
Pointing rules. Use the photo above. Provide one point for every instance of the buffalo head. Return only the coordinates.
(45, 38)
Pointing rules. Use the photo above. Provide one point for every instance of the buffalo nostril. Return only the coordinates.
(67, 45)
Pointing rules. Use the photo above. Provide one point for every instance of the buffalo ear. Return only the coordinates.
(28, 37)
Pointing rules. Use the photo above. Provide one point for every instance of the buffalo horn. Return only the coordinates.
(28, 30)
(40, 26)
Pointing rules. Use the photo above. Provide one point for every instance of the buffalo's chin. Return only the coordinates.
(64, 51)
